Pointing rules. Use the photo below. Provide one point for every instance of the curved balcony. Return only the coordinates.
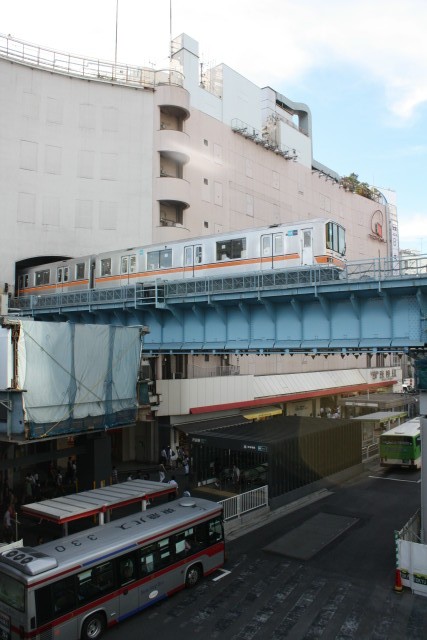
(173, 144)
(174, 98)
(171, 189)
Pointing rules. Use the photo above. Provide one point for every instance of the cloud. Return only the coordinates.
(413, 232)
(273, 42)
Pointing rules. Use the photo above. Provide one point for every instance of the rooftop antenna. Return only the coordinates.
(117, 23)
(170, 28)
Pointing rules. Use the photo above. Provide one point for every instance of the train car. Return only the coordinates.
(281, 246)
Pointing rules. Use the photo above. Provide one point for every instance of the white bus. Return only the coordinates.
(77, 586)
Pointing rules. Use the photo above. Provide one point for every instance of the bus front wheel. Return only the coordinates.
(194, 575)
(93, 627)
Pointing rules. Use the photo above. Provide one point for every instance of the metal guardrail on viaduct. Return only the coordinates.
(372, 305)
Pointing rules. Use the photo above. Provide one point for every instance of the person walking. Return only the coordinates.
(173, 483)
(162, 473)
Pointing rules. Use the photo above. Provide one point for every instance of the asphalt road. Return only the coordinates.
(344, 591)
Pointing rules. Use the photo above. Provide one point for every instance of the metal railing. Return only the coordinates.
(88, 68)
(156, 293)
(244, 503)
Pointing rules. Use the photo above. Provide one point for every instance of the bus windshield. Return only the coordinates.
(12, 593)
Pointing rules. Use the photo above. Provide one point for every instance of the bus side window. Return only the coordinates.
(55, 600)
(126, 569)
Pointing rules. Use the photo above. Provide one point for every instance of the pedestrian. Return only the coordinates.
(173, 483)
(114, 475)
(186, 465)
(162, 473)
(9, 518)
(28, 495)
(59, 486)
(163, 457)
(172, 459)
(236, 475)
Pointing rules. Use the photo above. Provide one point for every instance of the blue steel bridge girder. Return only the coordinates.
(266, 314)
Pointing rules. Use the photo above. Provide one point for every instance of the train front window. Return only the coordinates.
(335, 238)
(80, 271)
(106, 267)
(198, 254)
(230, 249)
(132, 264)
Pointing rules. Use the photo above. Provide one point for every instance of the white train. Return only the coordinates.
(281, 246)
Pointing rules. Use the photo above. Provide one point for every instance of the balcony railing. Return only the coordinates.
(88, 68)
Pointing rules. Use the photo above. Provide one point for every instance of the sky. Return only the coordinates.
(360, 66)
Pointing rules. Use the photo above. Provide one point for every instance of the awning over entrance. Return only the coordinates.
(96, 502)
(262, 412)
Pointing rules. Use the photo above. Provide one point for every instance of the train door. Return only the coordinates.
(127, 267)
(92, 274)
(62, 277)
(192, 258)
(307, 246)
(271, 251)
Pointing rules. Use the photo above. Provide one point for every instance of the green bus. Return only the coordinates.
(401, 446)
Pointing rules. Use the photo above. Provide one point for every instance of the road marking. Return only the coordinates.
(224, 573)
(395, 479)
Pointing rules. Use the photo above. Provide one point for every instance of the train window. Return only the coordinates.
(278, 244)
(266, 245)
(188, 257)
(198, 254)
(159, 259)
(59, 275)
(80, 271)
(106, 267)
(152, 260)
(26, 280)
(42, 277)
(132, 264)
(124, 265)
(165, 258)
(335, 237)
(20, 282)
(341, 240)
(230, 249)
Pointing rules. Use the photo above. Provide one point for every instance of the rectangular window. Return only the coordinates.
(26, 280)
(80, 271)
(124, 265)
(198, 254)
(152, 260)
(12, 593)
(106, 267)
(188, 257)
(94, 583)
(165, 258)
(59, 275)
(278, 244)
(132, 264)
(21, 282)
(42, 277)
(230, 249)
